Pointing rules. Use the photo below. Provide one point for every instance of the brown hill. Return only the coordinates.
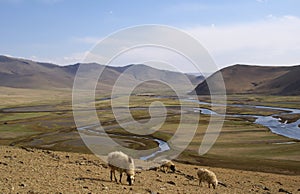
(246, 79)
(22, 73)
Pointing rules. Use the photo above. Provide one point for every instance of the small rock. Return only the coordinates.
(46, 151)
(21, 162)
(158, 180)
(27, 149)
(163, 188)
(152, 192)
(5, 123)
(278, 183)
(104, 187)
(190, 177)
(298, 189)
(3, 163)
(153, 168)
(176, 177)
(284, 191)
(171, 182)
(266, 189)
(85, 187)
(22, 185)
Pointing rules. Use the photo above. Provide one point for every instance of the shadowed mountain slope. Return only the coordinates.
(246, 79)
(22, 73)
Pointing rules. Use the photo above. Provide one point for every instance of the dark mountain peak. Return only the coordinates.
(246, 79)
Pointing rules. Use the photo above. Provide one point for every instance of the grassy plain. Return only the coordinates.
(44, 119)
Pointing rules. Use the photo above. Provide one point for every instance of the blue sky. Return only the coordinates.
(63, 31)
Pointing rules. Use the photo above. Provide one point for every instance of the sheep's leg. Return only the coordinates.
(208, 185)
(115, 175)
(110, 174)
(121, 177)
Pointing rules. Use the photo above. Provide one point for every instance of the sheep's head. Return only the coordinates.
(130, 179)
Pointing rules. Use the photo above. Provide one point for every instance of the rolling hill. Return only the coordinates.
(249, 79)
(22, 73)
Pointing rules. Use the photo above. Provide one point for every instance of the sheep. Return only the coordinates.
(167, 165)
(121, 162)
(207, 176)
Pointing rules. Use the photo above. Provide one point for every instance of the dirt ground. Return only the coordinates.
(25, 170)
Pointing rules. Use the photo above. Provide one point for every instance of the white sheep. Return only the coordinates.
(167, 165)
(208, 176)
(121, 162)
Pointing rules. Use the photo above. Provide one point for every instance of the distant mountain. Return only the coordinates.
(22, 73)
(247, 79)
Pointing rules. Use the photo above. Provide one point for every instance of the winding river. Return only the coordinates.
(273, 122)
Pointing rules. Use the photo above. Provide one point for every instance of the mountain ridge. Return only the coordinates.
(252, 79)
(24, 73)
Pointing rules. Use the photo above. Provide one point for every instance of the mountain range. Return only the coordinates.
(238, 79)
(23, 73)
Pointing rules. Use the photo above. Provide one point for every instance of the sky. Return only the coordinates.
(261, 32)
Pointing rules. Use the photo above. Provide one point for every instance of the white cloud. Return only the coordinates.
(63, 60)
(274, 40)
(271, 41)
(87, 39)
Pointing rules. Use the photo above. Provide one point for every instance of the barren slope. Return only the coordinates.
(41, 171)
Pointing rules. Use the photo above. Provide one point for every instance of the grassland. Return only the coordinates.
(44, 119)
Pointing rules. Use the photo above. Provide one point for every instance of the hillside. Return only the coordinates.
(246, 79)
(41, 171)
(22, 73)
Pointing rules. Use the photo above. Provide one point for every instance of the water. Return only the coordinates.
(290, 130)
(162, 145)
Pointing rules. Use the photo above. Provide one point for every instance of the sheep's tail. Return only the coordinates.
(223, 184)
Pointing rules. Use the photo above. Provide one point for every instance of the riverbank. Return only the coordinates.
(43, 171)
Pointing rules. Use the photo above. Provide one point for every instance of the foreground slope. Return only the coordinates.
(41, 171)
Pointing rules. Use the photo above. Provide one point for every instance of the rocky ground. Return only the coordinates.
(26, 170)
